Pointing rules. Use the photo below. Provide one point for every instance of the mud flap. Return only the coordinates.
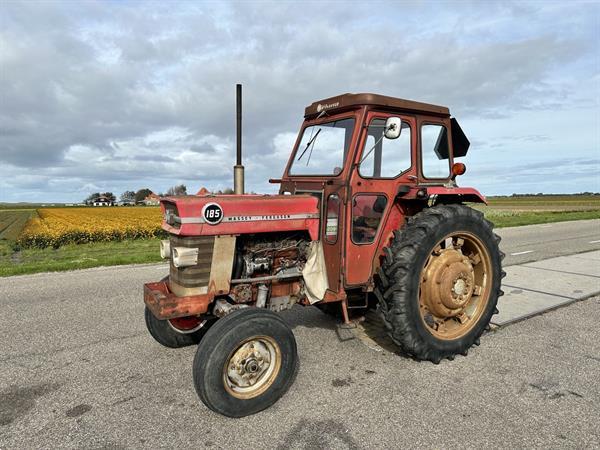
(315, 273)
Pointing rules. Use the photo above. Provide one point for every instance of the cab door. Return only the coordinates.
(381, 165)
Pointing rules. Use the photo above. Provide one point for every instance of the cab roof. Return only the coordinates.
(348, 101)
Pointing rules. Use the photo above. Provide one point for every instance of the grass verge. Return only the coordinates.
(76, 256)
(504, 219)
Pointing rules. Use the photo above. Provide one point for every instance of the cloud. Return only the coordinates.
(129, 95)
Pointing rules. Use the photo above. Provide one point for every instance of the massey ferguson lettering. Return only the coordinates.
(254, 218)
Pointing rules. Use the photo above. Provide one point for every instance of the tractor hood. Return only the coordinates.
(193, 215)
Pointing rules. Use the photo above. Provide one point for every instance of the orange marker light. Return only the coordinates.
(458, 169)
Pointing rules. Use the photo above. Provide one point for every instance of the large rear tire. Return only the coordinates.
(245, 363)
(439, 282)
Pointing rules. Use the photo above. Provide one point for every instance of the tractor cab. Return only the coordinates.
(360, 154)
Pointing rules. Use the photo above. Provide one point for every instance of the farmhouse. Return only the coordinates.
(151, 200)
(103, 201)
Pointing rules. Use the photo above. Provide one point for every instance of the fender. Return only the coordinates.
(465, 194)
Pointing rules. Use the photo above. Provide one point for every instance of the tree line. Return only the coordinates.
(540, 194)
(135, 196)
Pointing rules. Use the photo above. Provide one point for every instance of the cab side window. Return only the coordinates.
(385, 158)
(367, 211)
(434, 151)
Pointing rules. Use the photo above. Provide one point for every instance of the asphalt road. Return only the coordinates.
(79, 370)
(535, 242)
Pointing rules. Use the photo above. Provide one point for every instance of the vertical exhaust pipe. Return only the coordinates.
(238, 169)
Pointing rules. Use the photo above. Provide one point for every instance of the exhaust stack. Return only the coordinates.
(238, 169)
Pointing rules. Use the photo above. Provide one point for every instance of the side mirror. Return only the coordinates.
(393, 127)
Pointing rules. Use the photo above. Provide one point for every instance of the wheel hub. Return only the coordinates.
(459, 287)
(252, 367)
(448, 283)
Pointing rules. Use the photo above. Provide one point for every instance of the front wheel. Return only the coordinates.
(245, 363)
(439, 283)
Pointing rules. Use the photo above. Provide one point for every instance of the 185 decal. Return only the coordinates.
(212, 213)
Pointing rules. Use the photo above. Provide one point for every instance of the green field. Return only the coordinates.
(528, 210)
(503, 211)
(12, 222)
(76, 256)
(556, 203)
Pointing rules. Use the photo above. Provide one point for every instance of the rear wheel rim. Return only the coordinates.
(252, 367)
(455, 285)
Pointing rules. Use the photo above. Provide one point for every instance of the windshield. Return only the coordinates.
(323, 148)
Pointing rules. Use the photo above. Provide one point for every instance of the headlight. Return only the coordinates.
(185, 257)
(165, 249)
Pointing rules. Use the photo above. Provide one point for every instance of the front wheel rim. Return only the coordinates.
(455, 285)
(252, 367)
(186, 325)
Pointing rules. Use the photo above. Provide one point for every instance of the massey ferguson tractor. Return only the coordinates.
(368, 215)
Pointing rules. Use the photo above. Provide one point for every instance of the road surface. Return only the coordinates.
(79, 370)
(535, 242)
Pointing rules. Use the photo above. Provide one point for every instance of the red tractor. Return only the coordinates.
(368, 215)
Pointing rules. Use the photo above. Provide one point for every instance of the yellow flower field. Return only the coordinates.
(53, 227)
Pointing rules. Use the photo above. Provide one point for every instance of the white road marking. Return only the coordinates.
(594, 242)
(521, 253)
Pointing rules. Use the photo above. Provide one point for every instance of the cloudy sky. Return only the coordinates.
(110, 96)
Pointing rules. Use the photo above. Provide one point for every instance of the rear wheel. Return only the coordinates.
(245, 363)
(179, 332)
(439, 283)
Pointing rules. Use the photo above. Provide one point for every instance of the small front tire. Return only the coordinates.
(177, 332)
(246, 362)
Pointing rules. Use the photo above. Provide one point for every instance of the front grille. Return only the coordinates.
(198, 275)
